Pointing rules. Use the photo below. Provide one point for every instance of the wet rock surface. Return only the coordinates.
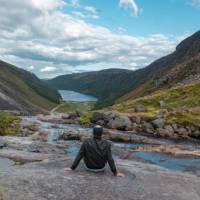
(46, 152)
(113, 135)
(47, 180)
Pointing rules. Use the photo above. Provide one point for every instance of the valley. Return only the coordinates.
(151, 116)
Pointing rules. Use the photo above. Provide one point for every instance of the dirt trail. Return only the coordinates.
(56, 108)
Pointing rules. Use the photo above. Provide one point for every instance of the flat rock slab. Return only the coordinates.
(47, 181)
(23, 156)
(16, 140)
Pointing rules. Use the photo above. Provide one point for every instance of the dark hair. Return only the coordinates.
(97, 131)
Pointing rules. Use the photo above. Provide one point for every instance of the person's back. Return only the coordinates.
(96, 153)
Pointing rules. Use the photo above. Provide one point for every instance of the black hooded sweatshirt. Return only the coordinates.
(96, 152)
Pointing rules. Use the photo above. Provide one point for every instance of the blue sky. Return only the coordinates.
(54, 37)
(175, 17)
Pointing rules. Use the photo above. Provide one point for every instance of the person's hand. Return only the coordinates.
(68, 169)
(120, 175)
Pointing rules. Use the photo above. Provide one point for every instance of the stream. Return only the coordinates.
(120, 150)
(5, 163)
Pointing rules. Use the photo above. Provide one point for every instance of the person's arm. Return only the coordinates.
(78, 157)
(111, 161)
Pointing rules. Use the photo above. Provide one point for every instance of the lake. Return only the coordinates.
(68, 95)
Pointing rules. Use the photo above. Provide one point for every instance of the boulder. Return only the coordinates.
(140, 108)
(79, 113)
(182, 132)
(73, 134)
(162, 103)
(3, 144)
(135, 119)
(165, 132)
(101, 123)
(196, 134)
(162, 113)
(34, 127)
(169, 129)
(70, 121)
(107, 116)
(120, 123)
(136, 127)
(158, 123)
(148, 127)
(119, 137)
(104, 117)
(96, 116)
(73, 115)
(42, 135)
(188, 130)
(65, 116)
(175, 127)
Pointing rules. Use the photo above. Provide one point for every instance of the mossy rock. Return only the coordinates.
(86, 118)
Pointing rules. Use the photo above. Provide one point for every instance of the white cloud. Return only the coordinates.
(81, 10)
(81, 15)
(73, 3)
(34, 34)
(90, 9)
(195, 2)
(47, 4)
(48, 69)
(130, 4)
(31, 68)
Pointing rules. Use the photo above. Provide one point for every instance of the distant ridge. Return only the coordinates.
(118, 85)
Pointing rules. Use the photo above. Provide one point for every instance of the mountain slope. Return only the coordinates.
(170, 70)
(181, 104)
(102, 84)
(120, 85)
(107, 85)
(21, 90)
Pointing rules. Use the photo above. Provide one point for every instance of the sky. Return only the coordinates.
(55, 37)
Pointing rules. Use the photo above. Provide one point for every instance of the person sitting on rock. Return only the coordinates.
(96, 152)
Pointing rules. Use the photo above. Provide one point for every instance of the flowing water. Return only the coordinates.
(5, 163)
(171, 162)
(120, 150)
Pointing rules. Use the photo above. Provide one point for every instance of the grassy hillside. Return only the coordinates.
(183, 101)
(21, 90)
(75, 106)
(182, 64)
(106, 85)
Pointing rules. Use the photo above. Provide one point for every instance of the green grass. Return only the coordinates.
(7, 125)
(187, 119)
(76, 106)
(86, 119)
(177, 97)
(30, 91)
(30, 94)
